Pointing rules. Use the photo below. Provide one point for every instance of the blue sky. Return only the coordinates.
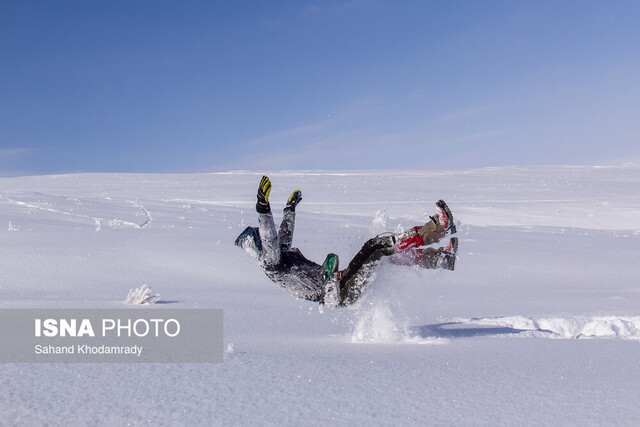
(188, 86)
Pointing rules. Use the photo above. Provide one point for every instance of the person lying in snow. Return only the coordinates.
(325, 284)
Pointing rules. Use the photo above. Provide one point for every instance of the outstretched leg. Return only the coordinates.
(285, 235)
(357, 274)
(443, 257)
(432, 231)
(360, 269)
(270, 254)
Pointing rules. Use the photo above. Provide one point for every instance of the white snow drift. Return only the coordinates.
(545, 252)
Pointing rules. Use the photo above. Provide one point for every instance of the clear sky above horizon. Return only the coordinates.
(195, 86)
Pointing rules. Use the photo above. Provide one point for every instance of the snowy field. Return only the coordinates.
(539, 324)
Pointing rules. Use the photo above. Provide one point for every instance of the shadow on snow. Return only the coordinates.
(461, 330)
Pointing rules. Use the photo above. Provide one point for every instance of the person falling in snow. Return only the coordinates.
(287, 267)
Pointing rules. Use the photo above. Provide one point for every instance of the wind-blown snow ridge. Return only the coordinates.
(80, 208)
(577, 327)
(379, 324)
(144, 212)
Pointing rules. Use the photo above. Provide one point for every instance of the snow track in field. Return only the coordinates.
(380, 325)
(142, 212)
(573, 327)
(83, 208)
(383, 322)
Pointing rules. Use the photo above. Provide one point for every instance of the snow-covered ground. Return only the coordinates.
(538, 325)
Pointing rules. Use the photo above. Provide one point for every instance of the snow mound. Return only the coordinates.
(578, 327)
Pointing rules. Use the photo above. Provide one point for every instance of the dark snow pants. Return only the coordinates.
(354, 278)
(273, 244)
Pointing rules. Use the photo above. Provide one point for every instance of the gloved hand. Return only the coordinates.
(294, 199)
(263, 195)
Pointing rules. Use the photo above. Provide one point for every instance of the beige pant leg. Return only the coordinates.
(432, 232)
